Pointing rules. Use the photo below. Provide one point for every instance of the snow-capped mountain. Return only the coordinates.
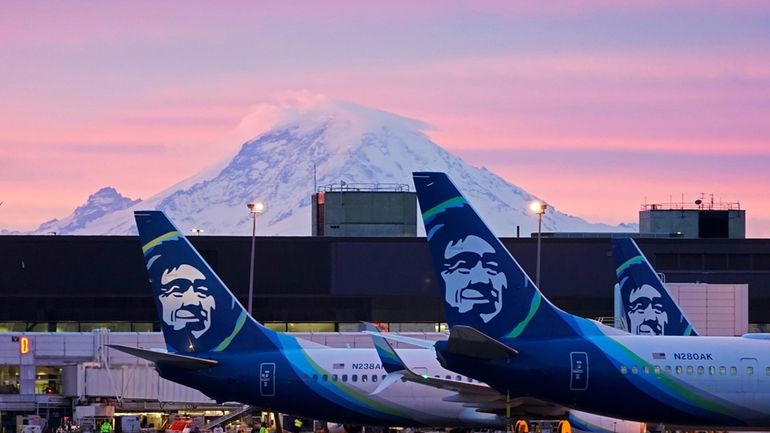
(329, 143)
(103, 202)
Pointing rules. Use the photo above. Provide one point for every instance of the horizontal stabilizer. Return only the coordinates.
(181, 361)
(467, 341)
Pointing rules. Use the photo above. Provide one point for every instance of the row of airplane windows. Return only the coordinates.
(365, 377)
(679, 370)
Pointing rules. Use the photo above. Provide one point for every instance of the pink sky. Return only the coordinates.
(594, 106)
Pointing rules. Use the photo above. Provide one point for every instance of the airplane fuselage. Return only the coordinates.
(705, 381)
(333, 384)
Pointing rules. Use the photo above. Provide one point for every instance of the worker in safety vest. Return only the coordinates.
(106, 427)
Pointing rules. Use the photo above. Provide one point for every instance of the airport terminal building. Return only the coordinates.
(80, 283)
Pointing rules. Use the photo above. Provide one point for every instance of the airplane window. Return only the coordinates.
(437, 376)
(374, 378)
(471, 380)
(690, 369)
(354, 378)
(304, 378)
(700, 370)
(364, 378)
(712, 370)
(623, 369)
(646, 369)
(334, 377)
(722, 370)
(668, 369)
(634, 369)
(657, 369)
(315, 378)
(458, 377)
(678, 369)
(749, 371)
(384, 376)
(449, 376)
(767, 372)
(325, 377)
(733, 371)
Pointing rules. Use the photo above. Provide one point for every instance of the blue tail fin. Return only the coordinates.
(482, 284)
(198, 312)
(646, 304)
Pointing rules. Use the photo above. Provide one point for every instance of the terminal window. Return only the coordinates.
(9, 379)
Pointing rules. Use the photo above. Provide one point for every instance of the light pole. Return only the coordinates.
(538, 208)
(255, 209)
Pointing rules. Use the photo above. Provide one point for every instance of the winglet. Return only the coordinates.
(391, 362)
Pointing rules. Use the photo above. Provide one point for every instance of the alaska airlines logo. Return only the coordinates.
(185, 299)
(473, 281)
(646, 312)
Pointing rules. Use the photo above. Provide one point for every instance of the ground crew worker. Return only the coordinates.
(106, 427)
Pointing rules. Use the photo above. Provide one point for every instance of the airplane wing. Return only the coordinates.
(469, 394)
(173, 359)
(467, 341)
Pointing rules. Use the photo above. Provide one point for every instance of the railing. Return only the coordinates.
(366, 187)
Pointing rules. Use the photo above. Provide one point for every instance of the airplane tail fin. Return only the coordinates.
(646, 304)
(198, 312)
(482, 284)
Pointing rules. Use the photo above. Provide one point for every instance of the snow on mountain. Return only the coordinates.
(340, 141)
(103, 202)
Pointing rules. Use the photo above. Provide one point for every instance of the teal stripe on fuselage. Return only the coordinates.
(338, 392)
(663, 387)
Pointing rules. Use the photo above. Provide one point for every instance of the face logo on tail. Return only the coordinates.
(185, 300)
(473, 282)
(646, 311)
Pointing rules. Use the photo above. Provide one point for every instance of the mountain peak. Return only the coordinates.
(103, 202)
(311, 145)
